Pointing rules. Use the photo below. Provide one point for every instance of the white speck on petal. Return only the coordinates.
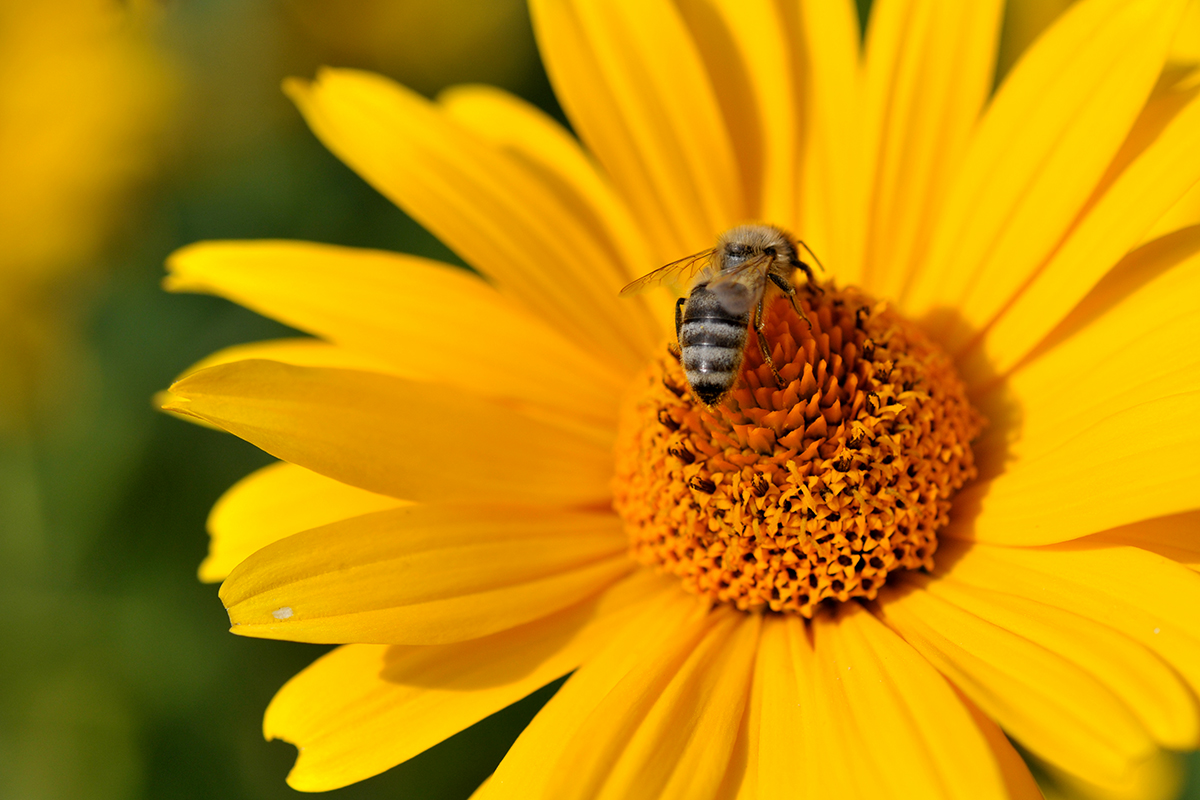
(282, 613)
(1156, 630)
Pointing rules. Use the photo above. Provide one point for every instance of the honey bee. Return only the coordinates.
(726, 283)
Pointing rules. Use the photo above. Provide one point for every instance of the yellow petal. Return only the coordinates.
(903, 720)
(363, 709)
(781, 742)
(1146, 597)
(1176, 537)
(1099, 416)
(1135, 274)
(428, 320)
(668, 728)
(845, 769)
(494, 210)
(633, 83)
(1045, 702)
(1164, 169)
(832, 178)
(275, 502)
(746, 51)
(525, 772)
(1134, 675)
(384, 434)
(1024, 21)
(1044, 143)
(796, 747)
(532, 136)
(1160, 777)
(301, 351)
(1184, 213)
(1186, 47)
(424, 574)
(927, 74)
(1018, 781)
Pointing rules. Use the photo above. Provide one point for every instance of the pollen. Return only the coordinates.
(782, 497)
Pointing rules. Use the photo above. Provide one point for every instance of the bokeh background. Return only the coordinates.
(129, 129)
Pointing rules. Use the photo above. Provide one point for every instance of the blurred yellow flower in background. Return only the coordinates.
(444, 507)
(83, 100)
(431, 43)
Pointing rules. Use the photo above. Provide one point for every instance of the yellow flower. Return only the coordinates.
(444, 509)
(82, 95)
(429, 42)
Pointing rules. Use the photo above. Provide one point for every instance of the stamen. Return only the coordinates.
(782, 497)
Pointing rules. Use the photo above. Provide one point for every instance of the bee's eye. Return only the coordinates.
(770, 251)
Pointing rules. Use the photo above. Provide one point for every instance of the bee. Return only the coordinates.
(727, 284)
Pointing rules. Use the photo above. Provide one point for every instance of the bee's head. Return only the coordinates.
(745, 242)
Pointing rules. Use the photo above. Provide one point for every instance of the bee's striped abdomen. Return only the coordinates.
(712, 340)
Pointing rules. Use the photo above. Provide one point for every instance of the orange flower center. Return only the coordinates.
(783, 497)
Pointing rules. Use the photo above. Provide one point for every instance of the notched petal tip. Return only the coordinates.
(185, 266)
(162, 400)
(171, 403)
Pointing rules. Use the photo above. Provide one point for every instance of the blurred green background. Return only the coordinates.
(119, 677)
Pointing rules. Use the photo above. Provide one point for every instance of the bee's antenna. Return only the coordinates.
(811, 253)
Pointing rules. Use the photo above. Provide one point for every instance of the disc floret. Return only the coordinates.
(785, 495)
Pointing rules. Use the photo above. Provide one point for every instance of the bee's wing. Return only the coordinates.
(672, 275)
(760, 262)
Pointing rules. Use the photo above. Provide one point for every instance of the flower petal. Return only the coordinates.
(424, 574)
(494, 210)
(632, 81)
(1175, 537)
(747, 51)
(525, 772)
(1018, 780)
(783, 733)
(899, 716)
(927, 73)
(833, 206)
(1148, 598)
(395, 437)
(363, 709)
(1050, 705)
(1044, 143)
(428, 320)
(1024, 22)
(275, 502)
(1149, 688)
(1160, 777)
(1184, 213)
(1081, 458)
(300, 350)
(1143, 191)
(667, 729)
(795, 744)
(532, 137)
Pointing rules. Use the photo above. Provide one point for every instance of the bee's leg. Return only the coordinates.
(676, 349)
(786, 287)
(760, 328)
(808, 274)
